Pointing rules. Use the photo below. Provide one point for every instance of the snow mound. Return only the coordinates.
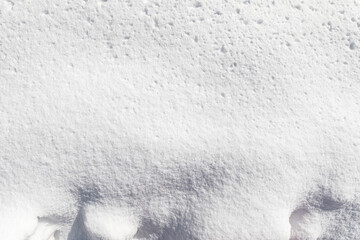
(17, 222)
(46, 229)
(305, 224)
(109, 223)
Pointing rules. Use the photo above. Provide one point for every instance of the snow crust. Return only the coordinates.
(196, 120)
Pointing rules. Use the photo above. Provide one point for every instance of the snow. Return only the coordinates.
(110, 223)
(45, 230)
(179, 119)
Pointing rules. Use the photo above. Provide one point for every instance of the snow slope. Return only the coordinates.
(179, 120)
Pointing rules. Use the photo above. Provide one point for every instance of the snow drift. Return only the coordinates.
(179, 120)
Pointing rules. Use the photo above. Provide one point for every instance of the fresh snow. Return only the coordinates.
(179, 120)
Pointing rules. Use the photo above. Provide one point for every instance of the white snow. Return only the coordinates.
(45, 231)
(109, 223)
(17, 221)
(179, 120)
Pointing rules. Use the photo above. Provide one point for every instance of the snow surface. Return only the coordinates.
(186, 120)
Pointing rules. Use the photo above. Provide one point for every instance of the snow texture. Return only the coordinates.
(179, 120)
